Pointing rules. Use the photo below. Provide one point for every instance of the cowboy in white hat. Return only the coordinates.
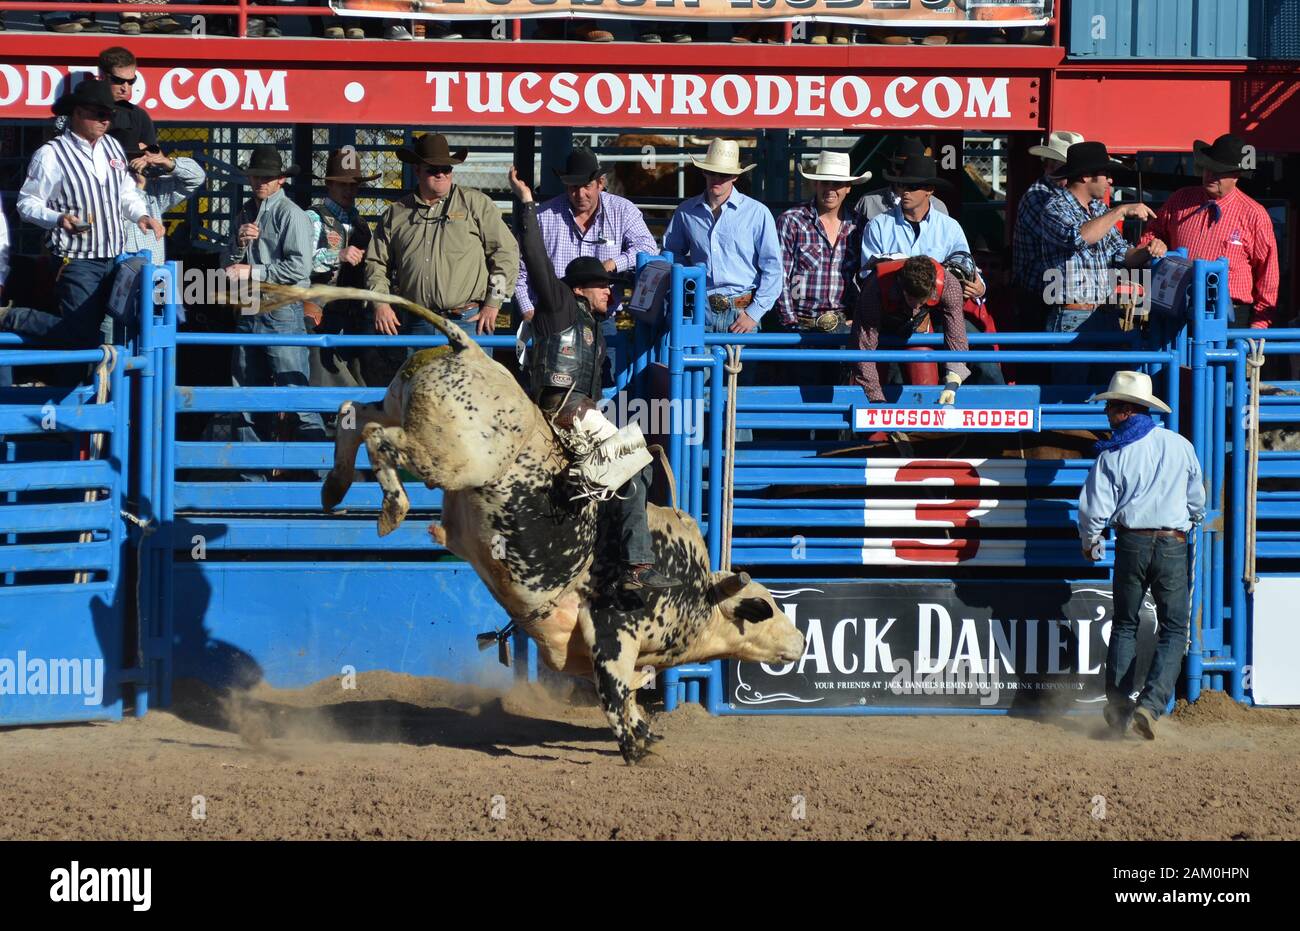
(817, 238)
(734, 237)
(1027, 261)
(1147, 484)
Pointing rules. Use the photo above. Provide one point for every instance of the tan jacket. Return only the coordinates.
(446, 255)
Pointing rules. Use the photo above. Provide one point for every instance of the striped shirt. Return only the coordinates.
(69, 175)
(617, 232)
(818, 276)
(1243, 231)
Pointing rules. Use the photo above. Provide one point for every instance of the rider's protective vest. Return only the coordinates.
(895, 315)
(572, 357)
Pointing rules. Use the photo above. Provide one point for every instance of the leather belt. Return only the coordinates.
(827, 321)
(1162, 532)
(461, 312)
(720, 304)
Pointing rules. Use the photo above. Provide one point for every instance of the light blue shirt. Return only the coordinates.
(890, 234)
(741, 249)
(1150, 484)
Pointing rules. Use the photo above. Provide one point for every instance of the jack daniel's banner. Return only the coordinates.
(936, 644)
(920, 13)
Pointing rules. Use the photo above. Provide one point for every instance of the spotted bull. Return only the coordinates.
(460, 422)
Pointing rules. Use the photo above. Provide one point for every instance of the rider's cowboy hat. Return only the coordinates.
(834, 166)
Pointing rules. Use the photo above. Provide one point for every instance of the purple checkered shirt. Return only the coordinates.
(818, 277)
(617, 232)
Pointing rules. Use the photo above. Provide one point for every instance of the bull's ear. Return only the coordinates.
(728, 586)
(752, 609)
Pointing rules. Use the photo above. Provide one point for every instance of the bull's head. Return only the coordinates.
(748, 625)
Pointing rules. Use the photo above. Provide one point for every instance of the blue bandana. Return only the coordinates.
(1130, 431)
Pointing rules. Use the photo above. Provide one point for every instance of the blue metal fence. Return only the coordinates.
(246, 581)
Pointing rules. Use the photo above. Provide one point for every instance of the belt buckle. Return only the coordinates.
(827, 321)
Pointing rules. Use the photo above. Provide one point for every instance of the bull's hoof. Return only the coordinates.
(392, 514)
(332, 491)
(635, 754)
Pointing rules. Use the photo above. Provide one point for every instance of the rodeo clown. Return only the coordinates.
(563, 368)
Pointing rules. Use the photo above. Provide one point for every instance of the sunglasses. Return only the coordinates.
(98, 114)
(116, 80)
(434, 170)
(909, 187)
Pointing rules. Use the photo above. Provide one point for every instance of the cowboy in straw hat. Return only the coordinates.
(817, 238)
(1217, 218)
(1147, 484)
(1027, 236)
(734, 237)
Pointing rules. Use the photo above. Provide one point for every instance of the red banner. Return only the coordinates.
(554, 98)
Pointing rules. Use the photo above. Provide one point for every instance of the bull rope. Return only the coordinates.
(102, 372)
(732, 368)
(1254, 364)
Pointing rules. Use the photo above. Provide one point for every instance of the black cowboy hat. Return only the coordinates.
(1085, 159)
(265, 162)
(586, 270)
(918, 169)
(345, 165)
(90, 92)
(581, 167)
(1224, 156)
(431, 149)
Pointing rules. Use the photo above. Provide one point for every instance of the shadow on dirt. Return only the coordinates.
(484, 724)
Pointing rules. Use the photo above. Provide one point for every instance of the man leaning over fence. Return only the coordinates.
(271, 243)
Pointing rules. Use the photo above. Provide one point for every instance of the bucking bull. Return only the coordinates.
(460, 422)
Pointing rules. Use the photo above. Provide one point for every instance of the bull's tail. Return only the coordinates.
(274, 296)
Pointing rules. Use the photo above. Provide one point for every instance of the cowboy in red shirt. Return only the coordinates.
(1216, 219)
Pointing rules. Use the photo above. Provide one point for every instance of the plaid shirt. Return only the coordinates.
(617, 232)
(1081, 270)
(1243, 232)
(818, 276)
(1027, 239)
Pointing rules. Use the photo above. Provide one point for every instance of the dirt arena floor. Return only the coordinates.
(405, 757)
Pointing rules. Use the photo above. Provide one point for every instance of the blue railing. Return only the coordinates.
(236, 604)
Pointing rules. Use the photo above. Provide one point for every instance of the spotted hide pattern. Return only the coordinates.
(460, 422)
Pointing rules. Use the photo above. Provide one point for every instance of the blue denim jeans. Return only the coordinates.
(720, 323)
(1101, 320)
(412, 325)
(272, 365)
(82, 292)
(1158, 564)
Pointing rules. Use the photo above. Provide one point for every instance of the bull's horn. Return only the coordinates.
(274, 296)
(726, 587)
